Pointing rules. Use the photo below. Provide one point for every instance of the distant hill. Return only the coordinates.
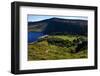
(59, 25)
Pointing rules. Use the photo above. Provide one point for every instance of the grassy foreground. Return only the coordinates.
(58, 47)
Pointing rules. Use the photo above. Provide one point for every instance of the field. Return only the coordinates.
(54, 47)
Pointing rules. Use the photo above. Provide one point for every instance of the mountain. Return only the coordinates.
(59, 25)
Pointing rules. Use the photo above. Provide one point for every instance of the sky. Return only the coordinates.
(34, 18)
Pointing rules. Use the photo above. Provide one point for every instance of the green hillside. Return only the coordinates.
(55, 47)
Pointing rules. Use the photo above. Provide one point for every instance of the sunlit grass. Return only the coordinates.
(44, 51)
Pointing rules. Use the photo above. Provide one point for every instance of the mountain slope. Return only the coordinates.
(58, 25)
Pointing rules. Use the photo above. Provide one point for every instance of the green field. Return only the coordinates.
(56, 47)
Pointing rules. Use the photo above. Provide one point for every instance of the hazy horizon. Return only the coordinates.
(34, 18)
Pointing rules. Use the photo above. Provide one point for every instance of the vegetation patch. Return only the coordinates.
(55, 47)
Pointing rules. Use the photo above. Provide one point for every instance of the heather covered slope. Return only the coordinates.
(56, 25)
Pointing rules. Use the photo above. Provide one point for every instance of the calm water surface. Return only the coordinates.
(33, 36)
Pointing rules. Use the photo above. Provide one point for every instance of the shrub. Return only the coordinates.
(59, 42)
(81, 46)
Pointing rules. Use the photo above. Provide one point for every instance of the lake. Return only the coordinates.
(33, 36)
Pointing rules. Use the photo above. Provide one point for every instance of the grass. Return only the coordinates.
(65, 37)
(43, 50)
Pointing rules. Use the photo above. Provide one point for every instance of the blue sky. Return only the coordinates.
(33, 18)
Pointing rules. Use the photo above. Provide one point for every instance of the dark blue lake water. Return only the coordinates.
(33, 36)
